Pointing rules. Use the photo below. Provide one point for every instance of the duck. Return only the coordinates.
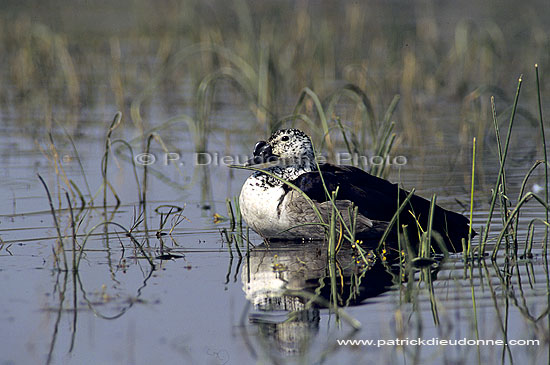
(273, 199)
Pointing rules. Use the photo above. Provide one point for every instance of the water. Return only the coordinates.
(208, 301)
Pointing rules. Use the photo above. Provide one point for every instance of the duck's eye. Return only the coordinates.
(285, 138)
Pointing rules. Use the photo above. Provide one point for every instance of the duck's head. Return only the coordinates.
(289, 145)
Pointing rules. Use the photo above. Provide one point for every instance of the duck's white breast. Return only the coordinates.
(260, 208)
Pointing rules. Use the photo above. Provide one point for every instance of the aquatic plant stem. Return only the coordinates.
(516, 210)
(426, 242)
(114, 125)
(73, 229)
(322, 115)
(545, 245)
(472, 197)
(230, 213)
(126, 232)
(501, 169)
(52, 209)
(522, 190)
(394, 219)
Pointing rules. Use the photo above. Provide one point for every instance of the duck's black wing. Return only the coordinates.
(377, 199)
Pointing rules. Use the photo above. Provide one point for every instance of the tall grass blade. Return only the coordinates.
(114, 125)
(394, 219)
(513, 214)
(501, 169)
(320, 111)
(472, 197)
(73, 229)
(545, 156)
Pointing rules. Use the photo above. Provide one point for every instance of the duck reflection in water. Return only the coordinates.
(289, 284)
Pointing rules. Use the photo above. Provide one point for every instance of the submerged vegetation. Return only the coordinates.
(358, 80)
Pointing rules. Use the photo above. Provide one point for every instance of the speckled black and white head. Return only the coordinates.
(288, 146)
(291, 144)
(291, 153)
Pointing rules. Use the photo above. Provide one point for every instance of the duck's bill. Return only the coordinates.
(262, 154)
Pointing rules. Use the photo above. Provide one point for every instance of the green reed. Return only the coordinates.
(230, 213)
(73, 230)
(515, 212)
(500, 175)
(511, 216)
(469, 249)
(426, 243)
(395, 218)
(324, 119)
(235, 234)
(104, 166)
(332, 241)
(545, 154)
